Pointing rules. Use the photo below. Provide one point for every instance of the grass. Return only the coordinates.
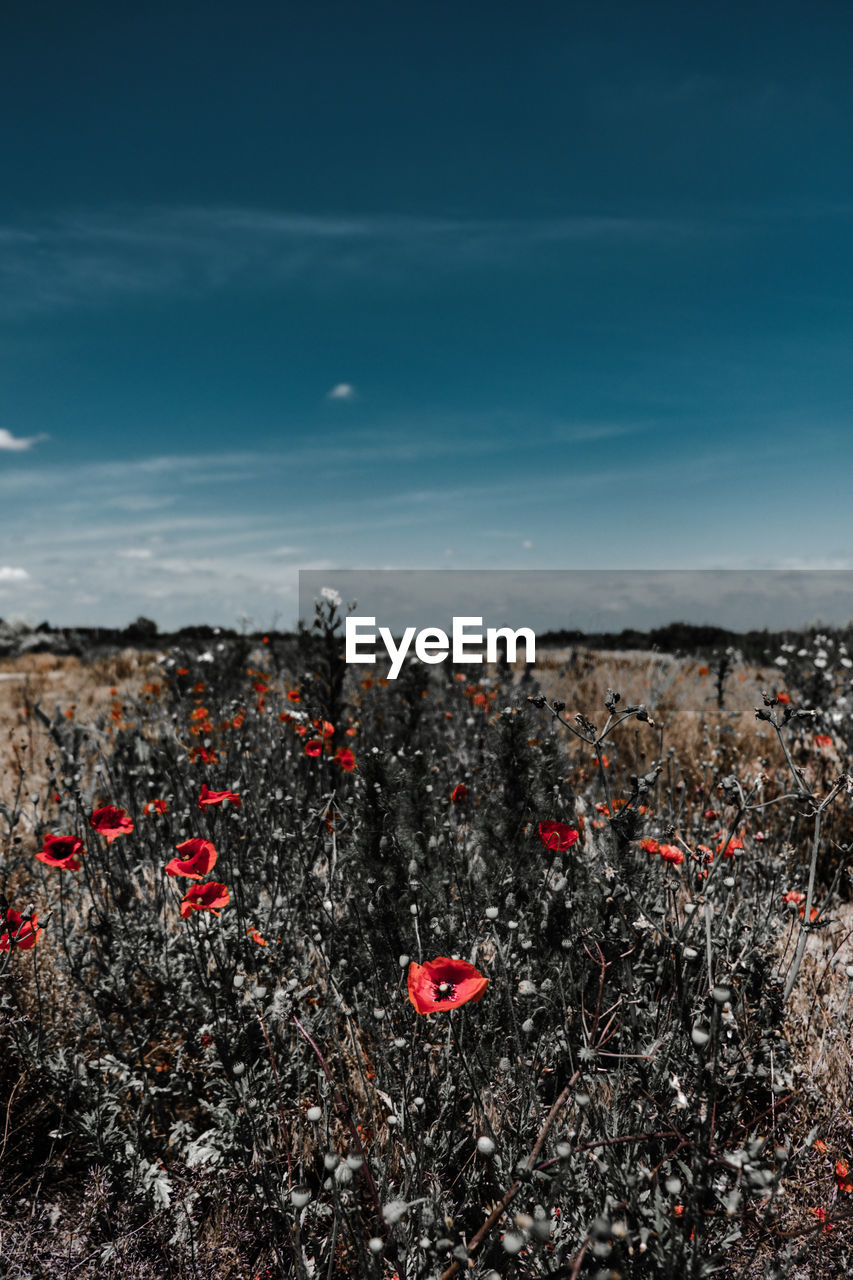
(638, 1093)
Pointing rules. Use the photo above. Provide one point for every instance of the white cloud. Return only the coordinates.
(342, 391)
(17, 444)
(8, 574)
(136, 553)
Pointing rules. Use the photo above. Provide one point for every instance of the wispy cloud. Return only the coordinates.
(341, 391)
(90, 258)
(17, 444)
(10, 574)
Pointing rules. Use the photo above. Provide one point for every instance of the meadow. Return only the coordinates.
(486, 971)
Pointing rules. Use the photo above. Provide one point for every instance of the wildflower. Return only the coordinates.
(111, 822)
(842, 1173)
(821, 1216)
(24, 934)
(704, 671)
(784, 698)
(345, 758)
(820, 1146)
(710, 814)
(794, 896)
(199, 859)
(256, 937)
(823, 741)
(294, 695)
(60, 851)
(670, 853)
(459, 793)
(443, 984)
(313, 748)
(324, 728)
(557, 836)
(727, 848)
(210, 799)
(156, 806)
(205, 897)
(650, 845)
(602, 760)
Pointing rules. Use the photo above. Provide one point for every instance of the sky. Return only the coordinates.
(480, 285)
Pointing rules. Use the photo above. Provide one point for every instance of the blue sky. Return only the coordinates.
(381, 285)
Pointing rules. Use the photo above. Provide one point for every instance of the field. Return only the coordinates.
(306, 973)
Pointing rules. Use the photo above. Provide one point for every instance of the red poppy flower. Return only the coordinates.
(294, 695)
(710, 814)
(205, 897)
(459, 793)
(558, 836)
(345, 758)
(602, 760)
(444, 984)
(324, 728)
(670, 853)
(728, 850)
(156, 806)
(313, 748)
(24, 933)
(650, 845)
(61, 851)
(111, 822)
(256, 937)
(704, 671)
(784, 698)
(823, 741)
(198, 861)
(210, 799)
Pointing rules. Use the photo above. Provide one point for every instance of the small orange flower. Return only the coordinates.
(650, 845)
(256, 937)
(820, 1146)
(670, 853)
(728, 850)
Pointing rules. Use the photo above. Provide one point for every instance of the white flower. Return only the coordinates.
(333, 596)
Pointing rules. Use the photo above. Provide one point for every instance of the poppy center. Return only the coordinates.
(445, 990)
